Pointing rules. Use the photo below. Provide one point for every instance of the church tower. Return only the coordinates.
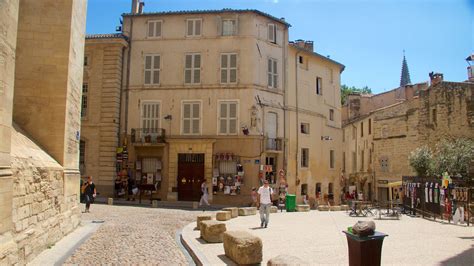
(405, 76)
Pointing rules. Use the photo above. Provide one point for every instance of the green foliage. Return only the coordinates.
(346, 90)
(452, 156)
(421, 160)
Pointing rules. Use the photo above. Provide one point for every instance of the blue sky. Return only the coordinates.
(368, 36)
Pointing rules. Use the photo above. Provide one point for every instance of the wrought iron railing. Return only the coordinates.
(148, 135)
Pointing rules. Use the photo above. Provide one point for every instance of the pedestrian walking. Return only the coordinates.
(204, 194)
(264, 203)
(89, 191)
(254, 197)
(132, 188)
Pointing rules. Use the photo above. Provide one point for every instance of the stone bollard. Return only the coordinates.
(110, 201)
(302, 208)
(344, 207)
(323, 208)
(247, 211)
(212, 231)
(273, 209)
(286, 260)
(200, 218)
(335, 208)
(154, 204)
(234, 211)
(223, 215)
(243, 247)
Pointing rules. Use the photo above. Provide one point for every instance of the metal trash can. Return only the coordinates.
(290, 202)
(365, 251)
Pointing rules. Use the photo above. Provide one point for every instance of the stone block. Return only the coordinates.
(243, 247)
(110, 201)
(344, 207)
(212, 231)
(223, 215)
(335, 208)
(323, 208)
(286, 260)
(234, 211)
(247, 211)
(273, 209)
(200, 218)
(302, 208)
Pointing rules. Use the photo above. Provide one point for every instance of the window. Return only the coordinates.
(330, 189)
(361, 129)
(300, 59)
(331, 114)
(331, 75)
(319, 86)
(318, 190)
(370, 126)
(154, 29)
(229, 27)
(343, 161)
(304, 189)
(192, 71)
(272, 33)
(82, 156)
(343, 135)
(362, 161)
(152, 69)
(305, 128)
(331, 159)
(191, 118)
(304, 157)
(228, 118)
(150, 116)
(272, 73)
(433, 116)
(193, 27)
(85, 90)
(354, 162)
(228, 68)
(86, 60)
(354, 132)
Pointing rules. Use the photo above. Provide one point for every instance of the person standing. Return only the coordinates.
(254, 197)
(264, 202)
(204, 194)
(89, 192)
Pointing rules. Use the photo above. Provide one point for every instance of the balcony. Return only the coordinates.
(274, 145)
(148, 136)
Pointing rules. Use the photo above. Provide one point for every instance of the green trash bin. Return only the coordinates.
(290, 202)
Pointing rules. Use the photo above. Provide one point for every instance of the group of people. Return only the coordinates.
(126, 186)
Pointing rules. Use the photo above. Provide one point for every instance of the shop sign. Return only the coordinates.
(382, 182)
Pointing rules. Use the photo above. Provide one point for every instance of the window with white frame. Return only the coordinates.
(304, 157)
(228, 118)
(228, 68)
(192, 70)
(152, 69)
(272, 73)
(150, 115)
(229, 27)
(154, 28)
(193, 27)
(272, 33)
(191, 118)
(85, 90)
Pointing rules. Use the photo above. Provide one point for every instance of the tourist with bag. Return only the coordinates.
(264, 203)
(89, 191)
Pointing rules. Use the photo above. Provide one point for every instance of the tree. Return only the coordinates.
(453, 156)
(346, 90)
(421, 159)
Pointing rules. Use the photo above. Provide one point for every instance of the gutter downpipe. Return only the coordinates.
(285, 102)
(127, 89)
(119, 137)
(297, 122)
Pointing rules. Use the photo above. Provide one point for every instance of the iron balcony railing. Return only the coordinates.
(148, 135)
(274, 144)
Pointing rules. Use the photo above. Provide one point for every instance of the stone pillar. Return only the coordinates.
(8, 35)
(48, 81)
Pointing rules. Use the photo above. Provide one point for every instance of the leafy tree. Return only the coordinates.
(421, 159)
(453, 156)
(346, 90)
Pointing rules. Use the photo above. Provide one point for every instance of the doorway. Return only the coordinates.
(190, 176)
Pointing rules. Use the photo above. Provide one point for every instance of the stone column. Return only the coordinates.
(8, 35)
(48, 81)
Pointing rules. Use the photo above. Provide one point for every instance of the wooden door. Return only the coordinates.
(190, 176)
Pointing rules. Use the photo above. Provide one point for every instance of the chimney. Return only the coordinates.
(308, 45)
(299, 43)
(435, 78)
(470, 68)
(140, 7)
(135, 6)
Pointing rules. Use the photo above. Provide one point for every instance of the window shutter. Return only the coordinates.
(187, 76)
(151, 28)
(233, 76)
(219, 25)
(223, 126)
(197, 27)
(189, 60)
(223, 75)
(187, 111)
(197, 76)
(271, 32)
(197, 60)
(233, 118)
(189, 27)
(158, 29)
(233, 60)
(195, 110)
(224, 61)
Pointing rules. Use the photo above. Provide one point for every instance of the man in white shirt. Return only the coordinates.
(264, 202)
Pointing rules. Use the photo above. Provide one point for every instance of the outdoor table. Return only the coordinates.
(365, 251)
(360, 208)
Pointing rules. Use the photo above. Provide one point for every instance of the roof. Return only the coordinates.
(106, 36)
(318, 55)
(210, 11)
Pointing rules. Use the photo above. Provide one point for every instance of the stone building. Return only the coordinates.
(379, 139)
(212, 95)
(41, 55)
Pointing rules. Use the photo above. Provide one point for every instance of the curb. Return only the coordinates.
(198, 258)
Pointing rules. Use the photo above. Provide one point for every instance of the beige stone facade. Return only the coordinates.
(419, 115)
(41, 73)
(221, 86)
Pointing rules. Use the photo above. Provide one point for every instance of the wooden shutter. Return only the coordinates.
(232, 118)
(189, 28)
(197, 68)
(223, 118)
(224, 63)
(196, 118)
(187, 118)
(157, 28)
(148, 65)
(233, 68)
(197, 27)
(151, 29)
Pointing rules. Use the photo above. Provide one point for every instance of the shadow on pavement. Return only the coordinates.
(464, 258)
(226, 260)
